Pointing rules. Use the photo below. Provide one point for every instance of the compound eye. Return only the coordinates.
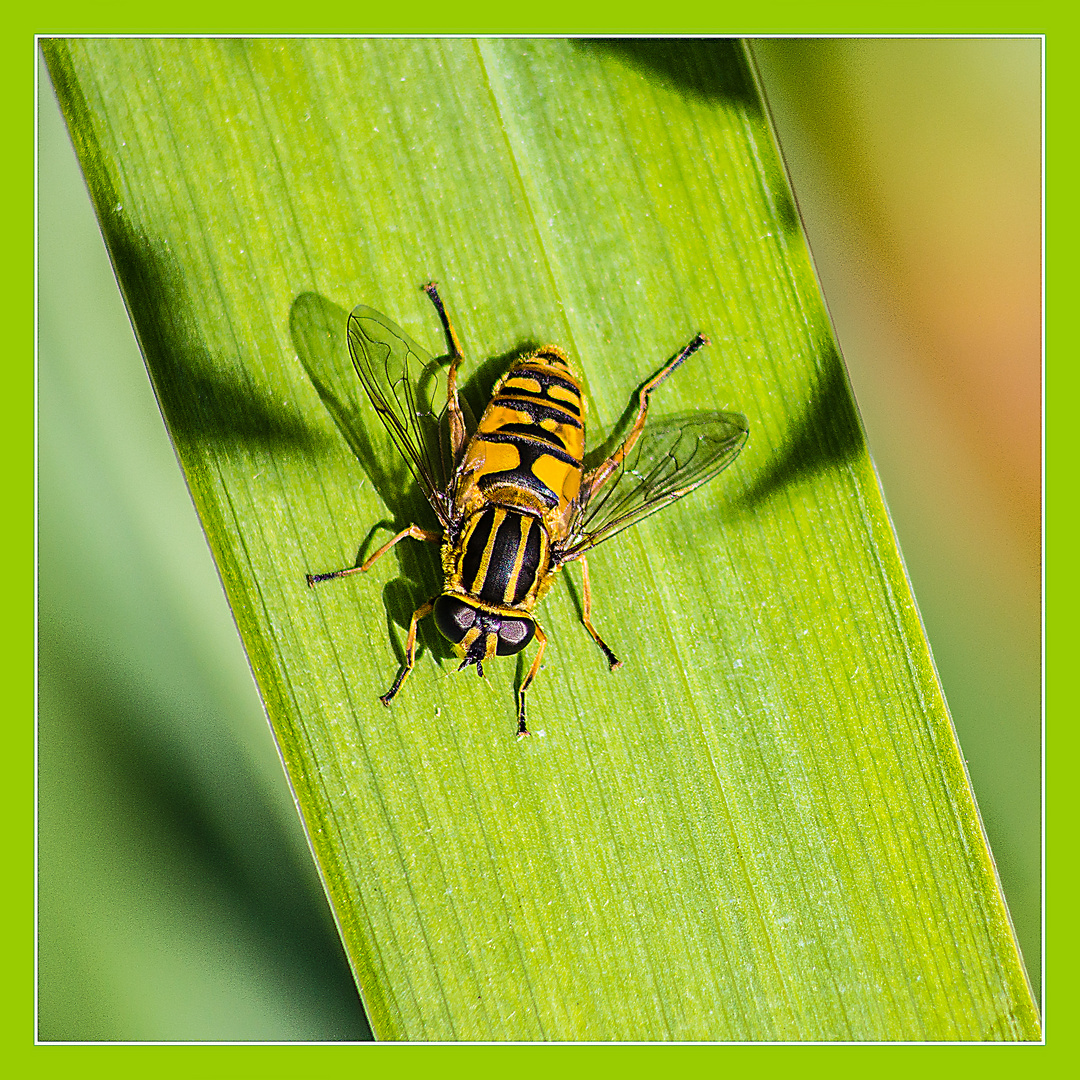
(453, 617)
(514, 635)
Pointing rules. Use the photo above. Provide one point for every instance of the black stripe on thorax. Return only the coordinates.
(513, 556)
(474, 549)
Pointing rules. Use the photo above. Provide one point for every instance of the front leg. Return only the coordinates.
(586, 618)
(410, 652)
(541, 637)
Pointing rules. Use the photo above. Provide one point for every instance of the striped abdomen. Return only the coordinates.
(528, 447)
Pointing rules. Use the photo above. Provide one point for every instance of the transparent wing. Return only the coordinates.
(408, 390)
(672, 457)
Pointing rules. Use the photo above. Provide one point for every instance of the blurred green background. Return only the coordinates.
(177, 899)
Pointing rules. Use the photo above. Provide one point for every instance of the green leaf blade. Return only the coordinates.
(760, 827)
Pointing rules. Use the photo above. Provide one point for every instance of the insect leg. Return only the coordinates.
(587, 618)
(413, 530)
(599, 476)
(457, 421)
(410, 651)
(542, 638)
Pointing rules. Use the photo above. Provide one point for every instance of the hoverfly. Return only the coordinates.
(514, 500)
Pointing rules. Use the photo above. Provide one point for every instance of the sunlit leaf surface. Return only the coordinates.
(760, 827)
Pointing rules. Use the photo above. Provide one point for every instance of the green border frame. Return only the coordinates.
(697, 18)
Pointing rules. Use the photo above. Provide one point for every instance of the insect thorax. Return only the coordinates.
(502, 558)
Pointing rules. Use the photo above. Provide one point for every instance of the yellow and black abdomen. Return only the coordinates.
(528, 448)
